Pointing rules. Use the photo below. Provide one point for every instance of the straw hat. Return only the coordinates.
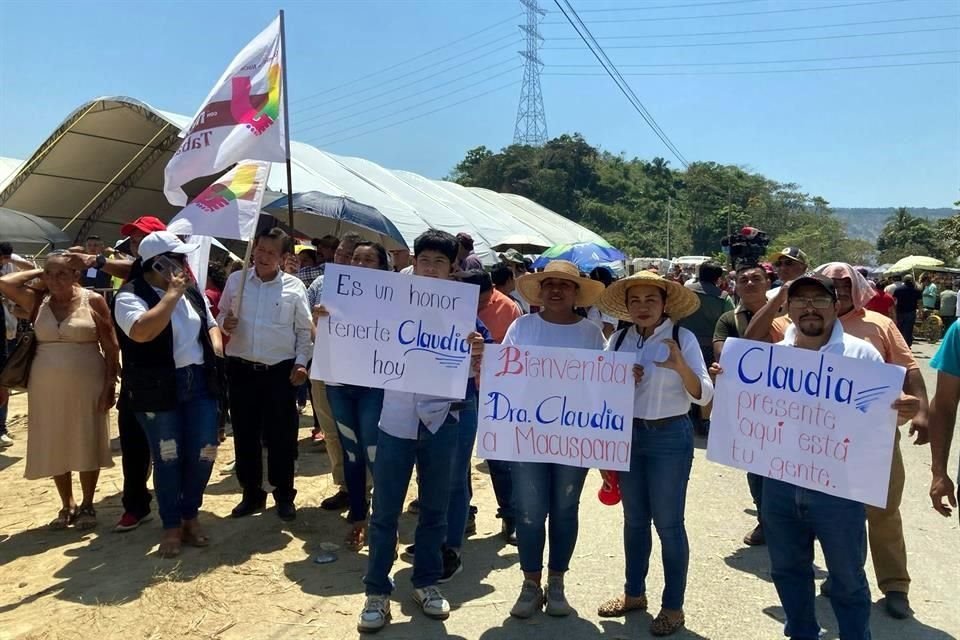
(681, 302)
(587, 293)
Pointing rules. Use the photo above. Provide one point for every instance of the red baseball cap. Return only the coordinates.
(143, 224)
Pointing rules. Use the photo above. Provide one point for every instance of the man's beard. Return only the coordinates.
(813, 332)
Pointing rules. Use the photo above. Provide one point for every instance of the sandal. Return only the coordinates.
(664, 625)
(356, 540)
(65, 518)
(616, 607)
(169, 548)
(86, 518)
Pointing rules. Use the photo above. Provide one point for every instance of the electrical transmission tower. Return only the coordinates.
(531, 127)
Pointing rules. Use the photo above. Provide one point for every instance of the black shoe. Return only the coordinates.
(825, 588)
(408, 552)
(471, 528)
(286, 511)
(248, 506)
(337, 502)
(413, 507)
(452, 565)
(756, 537)
(508, 531)
(897, 605)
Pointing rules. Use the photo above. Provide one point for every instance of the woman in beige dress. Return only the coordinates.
(72, 383)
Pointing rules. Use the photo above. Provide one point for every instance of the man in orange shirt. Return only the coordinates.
(887, 546)
(495, 310)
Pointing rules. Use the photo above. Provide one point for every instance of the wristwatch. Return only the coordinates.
(100, 261)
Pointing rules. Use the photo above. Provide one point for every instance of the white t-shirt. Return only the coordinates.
(187, 349)
(661, 393)
(535, 331)
(599, 318)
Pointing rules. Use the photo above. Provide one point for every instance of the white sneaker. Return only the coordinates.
(432, 602)
(375, 614)
(5, 441)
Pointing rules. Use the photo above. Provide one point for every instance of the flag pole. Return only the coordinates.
(286, 118)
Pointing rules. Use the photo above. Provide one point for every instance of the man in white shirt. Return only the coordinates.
(794, 516)
(270, 345)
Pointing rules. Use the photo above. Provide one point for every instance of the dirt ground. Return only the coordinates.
(258, 579)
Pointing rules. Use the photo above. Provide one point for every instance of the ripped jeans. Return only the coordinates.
(183, 444)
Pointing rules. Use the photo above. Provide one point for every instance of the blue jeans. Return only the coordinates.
(793, 518)
(432, 453)
(356, 411)
(460, 492)
(542, 489)
(183, 443)
(502, 479)
(655, 490)
(755, 482)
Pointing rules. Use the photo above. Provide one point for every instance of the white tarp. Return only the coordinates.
(106, 161)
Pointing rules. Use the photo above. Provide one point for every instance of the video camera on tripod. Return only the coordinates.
(747, 247)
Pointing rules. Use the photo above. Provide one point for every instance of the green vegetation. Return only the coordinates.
(628, 200)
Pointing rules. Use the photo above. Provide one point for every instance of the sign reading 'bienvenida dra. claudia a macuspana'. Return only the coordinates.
(395, 331)
(548, 404)
(816, 420)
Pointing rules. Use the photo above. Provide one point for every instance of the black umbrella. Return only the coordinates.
(16, 226)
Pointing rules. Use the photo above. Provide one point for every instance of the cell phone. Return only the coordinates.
(166, 267)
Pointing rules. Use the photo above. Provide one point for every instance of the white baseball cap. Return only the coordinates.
(160, 242)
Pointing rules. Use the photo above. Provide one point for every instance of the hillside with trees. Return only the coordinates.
(630, 200)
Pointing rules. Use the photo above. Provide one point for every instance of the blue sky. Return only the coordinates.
(861, 137)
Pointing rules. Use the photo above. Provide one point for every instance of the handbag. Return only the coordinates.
(16, 372)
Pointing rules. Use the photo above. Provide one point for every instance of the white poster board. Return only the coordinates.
(816, 420)
(394, 331)
(549, 404)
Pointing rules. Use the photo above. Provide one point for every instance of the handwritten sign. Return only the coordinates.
(394, 331)
(548, 404)
(816, 420)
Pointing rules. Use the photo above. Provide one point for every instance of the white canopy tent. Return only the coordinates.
(103, 166)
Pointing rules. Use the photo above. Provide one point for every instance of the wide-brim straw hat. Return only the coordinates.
(681, 302)
(588, 291)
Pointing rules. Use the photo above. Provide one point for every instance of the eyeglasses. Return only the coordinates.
(820, 302)
(784, 263)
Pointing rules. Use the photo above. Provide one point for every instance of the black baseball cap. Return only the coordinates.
(815, 279)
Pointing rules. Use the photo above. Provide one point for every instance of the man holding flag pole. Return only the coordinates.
(241, 124)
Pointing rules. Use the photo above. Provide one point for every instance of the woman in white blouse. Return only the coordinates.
(670, 374)
(542, 489)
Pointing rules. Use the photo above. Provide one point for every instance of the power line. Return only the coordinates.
(740, 62)
(395, 100)
(666, 6)
(745, 13)
(733, 33)
(403, 62)
(398, 112)
(581, 28)
(427, 68)
(745, 42)
(762, 71)
(421, 104)
(422, 115)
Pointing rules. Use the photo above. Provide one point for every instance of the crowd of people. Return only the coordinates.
(242, 349)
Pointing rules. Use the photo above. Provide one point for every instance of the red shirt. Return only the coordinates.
(881, 303)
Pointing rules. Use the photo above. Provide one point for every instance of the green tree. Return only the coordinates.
(904, 235)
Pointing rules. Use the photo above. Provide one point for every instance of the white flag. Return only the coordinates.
(229, 207)
(241, 119)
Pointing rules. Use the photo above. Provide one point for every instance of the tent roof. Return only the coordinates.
(103, 166)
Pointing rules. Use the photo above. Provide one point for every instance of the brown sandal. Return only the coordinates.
(616, 607)
(356, 540)
(86, 518)
(664, 625)
(169, 547)
(65, 518)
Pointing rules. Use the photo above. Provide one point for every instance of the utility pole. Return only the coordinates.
(531, 125)
(669, 209)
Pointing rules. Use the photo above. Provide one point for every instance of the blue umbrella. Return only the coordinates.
(586, 255)
(336, 215)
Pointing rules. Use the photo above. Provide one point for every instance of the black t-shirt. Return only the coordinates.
(907, 297)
